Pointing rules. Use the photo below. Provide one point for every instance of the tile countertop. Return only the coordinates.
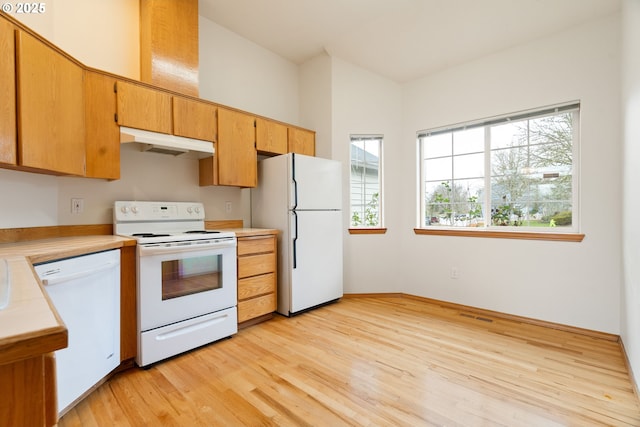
(29, 325)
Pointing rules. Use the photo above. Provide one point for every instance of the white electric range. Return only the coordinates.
(187, 277)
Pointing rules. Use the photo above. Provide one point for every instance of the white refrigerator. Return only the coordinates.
(302, 197)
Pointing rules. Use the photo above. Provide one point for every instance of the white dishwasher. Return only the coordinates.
(85, 291)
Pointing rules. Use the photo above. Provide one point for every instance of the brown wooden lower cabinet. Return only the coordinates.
(29, 397)
(257, 277)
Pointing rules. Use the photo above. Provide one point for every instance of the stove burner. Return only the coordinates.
(150, 235)
(201, 232)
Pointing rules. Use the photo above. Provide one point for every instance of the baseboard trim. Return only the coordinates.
(632, 378)
(496, 314)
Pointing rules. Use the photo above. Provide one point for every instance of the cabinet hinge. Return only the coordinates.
(115, 87)
(255, 123)
(115, 117)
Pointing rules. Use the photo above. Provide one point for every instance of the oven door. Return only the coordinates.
(180, 282)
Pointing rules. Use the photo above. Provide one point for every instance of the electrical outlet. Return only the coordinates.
(77, 206)
(455, 273)
(228, 207)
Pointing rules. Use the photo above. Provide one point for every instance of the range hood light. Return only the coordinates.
(154, 148)
(163, 143)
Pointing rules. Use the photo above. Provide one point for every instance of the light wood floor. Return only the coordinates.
(377, 362)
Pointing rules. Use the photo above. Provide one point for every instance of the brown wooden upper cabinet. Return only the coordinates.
(302, 141)
(50, 108)
(155, 110)
(235, 161)
(271, 137)
(145, 108)
(8, 136)
(194, 119)
(102, 133)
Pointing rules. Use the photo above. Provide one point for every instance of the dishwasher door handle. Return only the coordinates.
(78, 274)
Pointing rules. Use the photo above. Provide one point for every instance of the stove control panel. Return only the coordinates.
(157, 211)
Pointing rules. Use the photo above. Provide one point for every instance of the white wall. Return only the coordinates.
(146, 176)
(102, 34)
(237, 72)
(316, 110)
(631, 237)
(28, 199)
(570, 283)
(365, 103)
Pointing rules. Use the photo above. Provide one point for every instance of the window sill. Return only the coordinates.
(522, 235)
(367, 230)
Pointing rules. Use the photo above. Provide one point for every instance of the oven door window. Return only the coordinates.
(191, 275)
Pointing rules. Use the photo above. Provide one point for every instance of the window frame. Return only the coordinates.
(365, 229)
(571, 233)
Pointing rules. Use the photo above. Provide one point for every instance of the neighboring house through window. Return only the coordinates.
(518, 170)
(366, 181)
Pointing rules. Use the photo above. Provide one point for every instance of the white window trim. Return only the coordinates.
(575, 227)
(380, 137)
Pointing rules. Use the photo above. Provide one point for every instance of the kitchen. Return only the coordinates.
(295, 95)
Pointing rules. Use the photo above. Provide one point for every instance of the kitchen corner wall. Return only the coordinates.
(577, 284)
(103, 34)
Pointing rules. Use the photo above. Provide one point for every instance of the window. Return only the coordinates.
(516, 172)
(366, 181)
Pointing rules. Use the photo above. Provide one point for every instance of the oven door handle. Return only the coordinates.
(144, 250)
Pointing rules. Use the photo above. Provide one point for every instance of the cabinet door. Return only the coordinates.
(50, 108)
(101, 131)
(194, 119)
(235, 150)
(22, 389)
(302, 141)
(8, 138)
(271, 137)
(143, 108)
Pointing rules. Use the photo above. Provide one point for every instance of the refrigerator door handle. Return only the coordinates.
(295, 183)
(295, 237)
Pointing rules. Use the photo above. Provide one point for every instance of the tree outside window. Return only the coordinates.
(366, 184)
(515, 171)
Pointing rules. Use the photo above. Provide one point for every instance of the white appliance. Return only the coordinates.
(302, 197)
(85, 291)
(187, 277)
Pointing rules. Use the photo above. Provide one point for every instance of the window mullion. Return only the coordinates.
(487, 176)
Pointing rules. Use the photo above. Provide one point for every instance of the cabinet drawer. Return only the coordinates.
(256, 307)
(257, 285)
(252, 265)
(254, 245)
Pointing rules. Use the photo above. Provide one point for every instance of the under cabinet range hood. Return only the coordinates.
(163, 143)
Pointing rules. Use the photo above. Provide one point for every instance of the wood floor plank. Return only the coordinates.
(371, 361)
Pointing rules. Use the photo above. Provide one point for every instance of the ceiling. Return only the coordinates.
(399, 39)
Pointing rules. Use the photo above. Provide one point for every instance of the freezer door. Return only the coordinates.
(316, 183)
(316, 259)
